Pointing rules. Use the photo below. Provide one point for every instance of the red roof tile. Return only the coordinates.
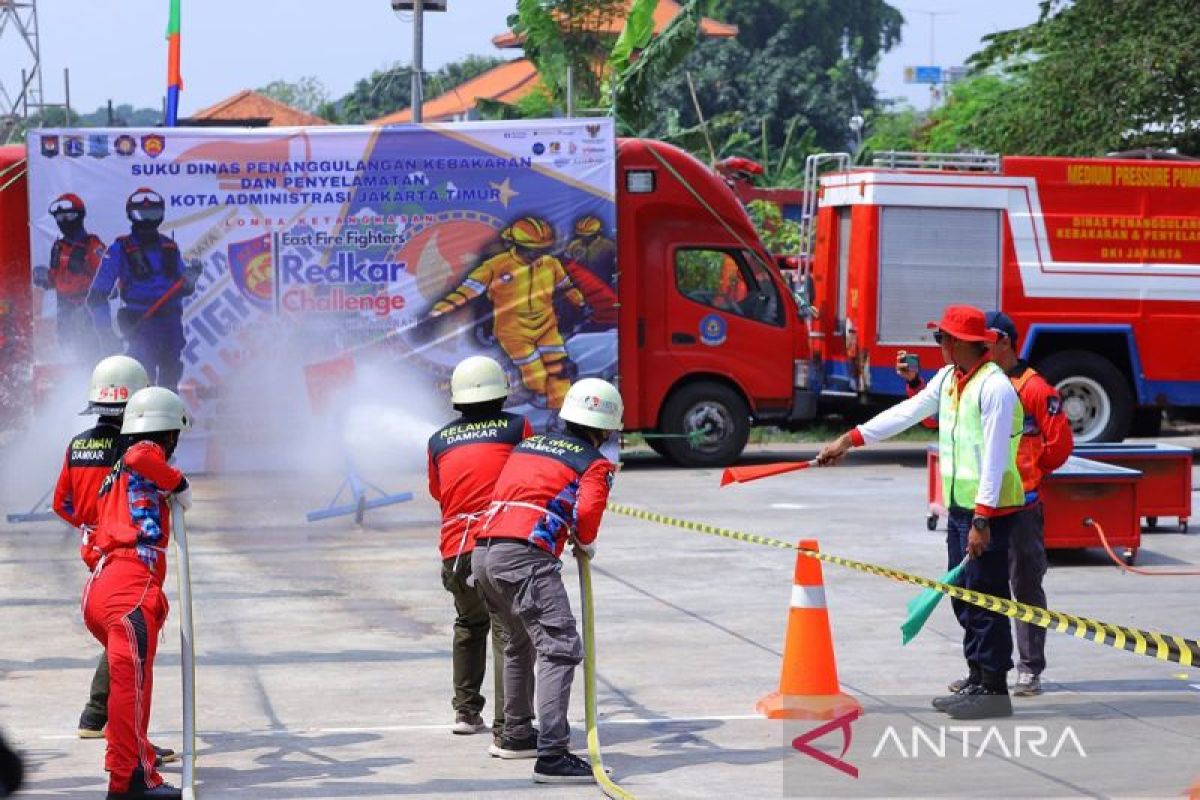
(507, 83)
(250, 106)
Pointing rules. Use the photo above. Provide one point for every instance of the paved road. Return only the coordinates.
(324, 665)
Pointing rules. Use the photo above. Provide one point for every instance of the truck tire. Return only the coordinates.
(1095, 395)
(717, 414)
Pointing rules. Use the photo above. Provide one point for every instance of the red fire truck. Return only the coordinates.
(1097, 261)
(710, 338)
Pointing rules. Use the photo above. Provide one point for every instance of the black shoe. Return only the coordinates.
(563, 768)
(164, 755)
(944, 702)
(504, 747)
(982, 704)
(91, 726)
(137, 791)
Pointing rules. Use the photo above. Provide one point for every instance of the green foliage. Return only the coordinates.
(811, 61)
(781, 236)
(638, 30)
(307, 93)
(568, 34)
(634, 86)
(1092, 76)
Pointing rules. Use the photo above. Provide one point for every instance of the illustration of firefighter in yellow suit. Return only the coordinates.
(521, 283)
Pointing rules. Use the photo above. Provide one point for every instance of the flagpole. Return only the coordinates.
(174, 80)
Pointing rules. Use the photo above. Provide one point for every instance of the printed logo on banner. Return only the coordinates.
(593, 130)
(555, 148)
(125, 145)
(538, 148)
(97, 145)
(153, 144)
(49, 146)
(251, 268)
(73, 146)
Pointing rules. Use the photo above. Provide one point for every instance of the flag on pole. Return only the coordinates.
(921, 606)
(174, 79)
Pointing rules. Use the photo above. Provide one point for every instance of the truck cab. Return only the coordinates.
(712, 340)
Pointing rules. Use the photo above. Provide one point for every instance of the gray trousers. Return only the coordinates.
(95, 713)
(1026, 568)
(522, 584)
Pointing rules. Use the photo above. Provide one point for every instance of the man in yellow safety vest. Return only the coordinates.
(979, 430)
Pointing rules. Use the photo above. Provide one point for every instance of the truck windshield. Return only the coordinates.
(729, 280)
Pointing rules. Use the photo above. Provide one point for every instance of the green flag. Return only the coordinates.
(921, 606)
(173, 19)
(638, 30)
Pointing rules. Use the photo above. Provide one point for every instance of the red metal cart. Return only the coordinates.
(1078, 490)
(1166, 487)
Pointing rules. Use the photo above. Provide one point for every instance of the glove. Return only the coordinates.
(183, 495)
(191, 275)
(588, 549)
(41, 277)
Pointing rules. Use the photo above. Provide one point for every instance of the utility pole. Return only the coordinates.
(418, 83)
(933, 15)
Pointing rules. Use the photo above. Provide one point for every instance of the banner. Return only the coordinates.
(200, 251)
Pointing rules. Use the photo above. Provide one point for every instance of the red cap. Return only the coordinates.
(966, 323)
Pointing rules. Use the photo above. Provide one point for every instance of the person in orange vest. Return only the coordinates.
(521, 283)
(74, 259)
(731, 286)
(1046, 444)
(465, 459)
(124, 605)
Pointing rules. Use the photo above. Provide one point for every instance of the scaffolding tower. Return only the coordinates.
(19, 95)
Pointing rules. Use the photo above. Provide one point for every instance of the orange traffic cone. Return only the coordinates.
(808, 682)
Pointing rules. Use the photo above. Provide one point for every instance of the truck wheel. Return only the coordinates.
(1095, 395)
(717, 418)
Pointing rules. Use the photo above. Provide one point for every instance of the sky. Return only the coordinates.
(116, 48)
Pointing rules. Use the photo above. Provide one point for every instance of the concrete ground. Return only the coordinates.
(323, 652)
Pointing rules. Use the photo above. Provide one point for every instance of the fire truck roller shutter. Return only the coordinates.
(930, 258)
(717, 418)
(1095, 395)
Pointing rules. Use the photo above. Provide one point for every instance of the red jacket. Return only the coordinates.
(553, 485)
(89, 458)
(135, 513)
(1046, 438)
(465, 459)
(74, 264)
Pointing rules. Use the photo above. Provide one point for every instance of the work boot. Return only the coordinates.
(509, 748)
(468, 722)
(563, 768)
(1028, 685)
(989, 700)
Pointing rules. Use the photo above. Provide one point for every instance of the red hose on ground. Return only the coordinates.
(1125, 567)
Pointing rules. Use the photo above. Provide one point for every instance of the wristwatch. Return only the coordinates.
(980, 523)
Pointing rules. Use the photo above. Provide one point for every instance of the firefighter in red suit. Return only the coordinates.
(74, 259)
(465, 459)
(88, 460)
(1046, 444)
(124, 605)
(554, 487)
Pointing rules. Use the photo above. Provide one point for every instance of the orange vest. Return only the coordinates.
(1029, 452)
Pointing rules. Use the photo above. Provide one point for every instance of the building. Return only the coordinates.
(249, 109)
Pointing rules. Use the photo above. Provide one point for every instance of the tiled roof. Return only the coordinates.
(248, 106)
(507, 83)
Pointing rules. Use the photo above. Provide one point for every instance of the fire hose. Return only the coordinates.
(1126, 567)
(187, 651)
(606, 783)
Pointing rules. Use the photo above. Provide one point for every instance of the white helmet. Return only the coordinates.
(477, 379)
(155, 409)
(114, 381)
(594, 403)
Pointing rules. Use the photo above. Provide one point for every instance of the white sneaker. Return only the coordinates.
(1027, 685)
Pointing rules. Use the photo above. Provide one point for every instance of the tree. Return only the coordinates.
(1092, 76)
(808, 63)
(389, 90)
(307, 94)
(568, 35)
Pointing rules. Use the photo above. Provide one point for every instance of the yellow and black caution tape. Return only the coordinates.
(1163, 646)
(589, 683)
